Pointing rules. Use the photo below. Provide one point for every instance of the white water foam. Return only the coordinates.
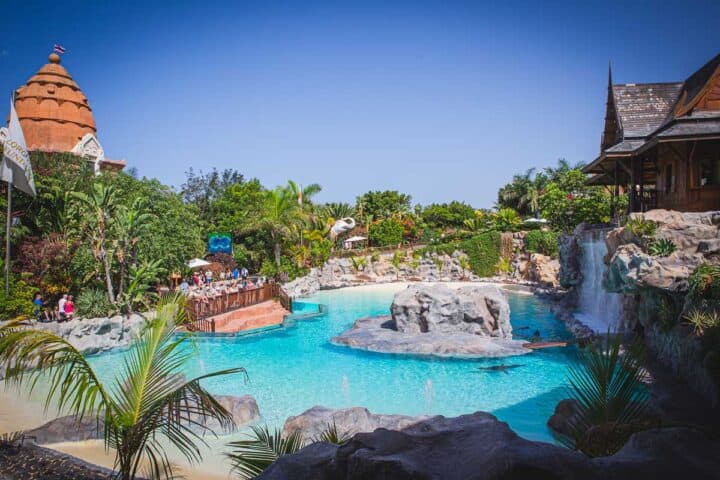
(597, 308)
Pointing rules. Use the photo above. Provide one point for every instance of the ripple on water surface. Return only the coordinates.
(292, 369)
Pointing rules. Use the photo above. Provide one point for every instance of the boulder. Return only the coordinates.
(348, 421)
(479, 447)
(244, 410)
(479, 310)
(96, 335)
(570, 253)
(543, 270)
(68, 429)
(565, 412)
(378, 334)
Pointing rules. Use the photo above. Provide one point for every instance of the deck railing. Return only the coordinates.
(201, 310)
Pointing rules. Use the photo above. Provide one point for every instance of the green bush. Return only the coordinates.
(483, 253)
(93, 303)
(641, 227)
(386, 232)
(18, 302)
(537, 241)
(662, 248)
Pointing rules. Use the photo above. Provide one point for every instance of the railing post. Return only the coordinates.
(212, 325)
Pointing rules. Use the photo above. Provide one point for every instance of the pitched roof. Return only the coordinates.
(643, 107)
(695, 84)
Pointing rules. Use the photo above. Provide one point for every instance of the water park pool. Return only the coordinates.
(295, 367)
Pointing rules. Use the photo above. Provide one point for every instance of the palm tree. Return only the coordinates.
(100, 206)
(608, 387)
(279, 216)
(338, 210)
(129, 226)
(150, 402)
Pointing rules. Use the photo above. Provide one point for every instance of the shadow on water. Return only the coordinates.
(526, 425)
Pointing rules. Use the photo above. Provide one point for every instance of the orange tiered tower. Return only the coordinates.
(53, 111)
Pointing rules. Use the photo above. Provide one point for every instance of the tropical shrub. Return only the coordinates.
(376, 205)
(17, 303)
(447, 215)
(662, 248)
(505, 220)
(224, 259)
(641, 227)
(610, 394)
(704, 282)
(249, 458)
(483, 253)
(503, 265)
(386, 232)
(546, 243)
(359, 263)
(701, 321)
(93, 303)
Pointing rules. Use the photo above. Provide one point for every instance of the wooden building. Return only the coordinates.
(661, 143)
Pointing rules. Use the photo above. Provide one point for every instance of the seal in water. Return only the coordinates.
(499, 368)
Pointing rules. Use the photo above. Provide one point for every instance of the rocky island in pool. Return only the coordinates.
(470, 321)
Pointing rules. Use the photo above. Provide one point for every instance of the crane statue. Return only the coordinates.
(341, 226)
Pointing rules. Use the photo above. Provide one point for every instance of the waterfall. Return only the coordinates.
(597, 308)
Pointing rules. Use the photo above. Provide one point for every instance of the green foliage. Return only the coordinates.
(149, 402)
(503, 265)
(17, 303)
(704, 282)
(398, 258)
(331, 434)
(359, 263)
(387, 231)
(702, 321)
(565, 209)
(609, 390)
(447, 215)
(483, 253)
(337, 210)
(93, 303)
(538, 241)
(505, 220)
(249, 458)
(662, 248)
(641, 227)
(375, 257)
(375, 205)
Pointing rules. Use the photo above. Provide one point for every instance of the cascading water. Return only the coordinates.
(597, 308)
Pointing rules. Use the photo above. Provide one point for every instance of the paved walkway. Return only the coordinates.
(256, 316)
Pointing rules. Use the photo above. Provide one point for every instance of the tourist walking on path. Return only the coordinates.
(61, 307)
(69, 308)
(38, 311)
(244, 273)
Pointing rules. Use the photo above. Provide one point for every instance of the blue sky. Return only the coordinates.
(442, 100)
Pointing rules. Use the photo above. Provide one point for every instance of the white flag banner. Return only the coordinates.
(15, 167)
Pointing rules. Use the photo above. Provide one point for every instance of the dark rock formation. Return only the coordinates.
(68, 429)
(561, 419)
(479, 447)
(32, 462)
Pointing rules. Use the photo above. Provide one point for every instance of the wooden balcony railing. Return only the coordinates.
(202, 309)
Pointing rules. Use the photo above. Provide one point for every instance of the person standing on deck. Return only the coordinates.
(61, 308)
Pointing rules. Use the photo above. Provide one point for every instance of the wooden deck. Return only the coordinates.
(539, 345)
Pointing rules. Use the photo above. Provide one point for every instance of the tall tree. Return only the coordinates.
(97, 209)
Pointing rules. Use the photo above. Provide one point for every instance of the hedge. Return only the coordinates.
(537, 241)
(483, 253)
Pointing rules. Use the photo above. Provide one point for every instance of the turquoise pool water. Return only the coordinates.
(294, 368)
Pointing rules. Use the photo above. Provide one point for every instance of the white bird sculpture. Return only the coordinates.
(341, 226)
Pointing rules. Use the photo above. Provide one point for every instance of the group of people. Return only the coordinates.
(64, 311)
(201, 279)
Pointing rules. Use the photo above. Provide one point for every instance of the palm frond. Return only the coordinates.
(31, 356)
(608, 386)
(249, 458)
(331, 434)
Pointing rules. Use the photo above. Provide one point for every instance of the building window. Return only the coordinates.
(708, 172)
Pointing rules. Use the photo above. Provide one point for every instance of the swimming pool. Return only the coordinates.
(294, 368)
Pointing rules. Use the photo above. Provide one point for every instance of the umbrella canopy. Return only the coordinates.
(197, 263)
